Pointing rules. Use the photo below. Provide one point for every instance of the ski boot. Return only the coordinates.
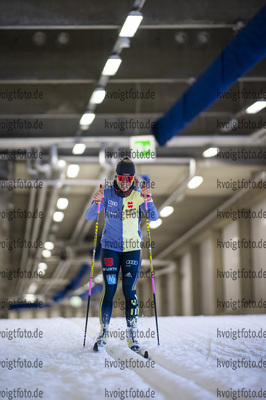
(102, 338)
(132, 338)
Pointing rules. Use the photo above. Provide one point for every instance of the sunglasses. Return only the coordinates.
(121, 178)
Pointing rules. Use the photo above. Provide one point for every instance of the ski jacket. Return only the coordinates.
(122, 219)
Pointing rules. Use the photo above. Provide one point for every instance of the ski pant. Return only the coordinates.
(130, 263)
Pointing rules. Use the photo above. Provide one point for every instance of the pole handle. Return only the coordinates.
(145, 196)
(99, 202)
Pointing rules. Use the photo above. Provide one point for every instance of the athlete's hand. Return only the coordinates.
(145, 191)
(98, 196)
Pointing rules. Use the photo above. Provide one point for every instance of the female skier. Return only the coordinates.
(121, 244)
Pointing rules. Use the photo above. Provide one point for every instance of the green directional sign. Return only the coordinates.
(143, 148)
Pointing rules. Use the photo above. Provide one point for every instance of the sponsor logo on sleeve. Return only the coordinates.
(112, 203)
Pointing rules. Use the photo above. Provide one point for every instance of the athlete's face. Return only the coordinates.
(123, 184)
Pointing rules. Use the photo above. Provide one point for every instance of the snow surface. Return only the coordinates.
(184, 368)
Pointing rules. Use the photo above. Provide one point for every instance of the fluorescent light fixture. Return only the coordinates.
(46, 253)
(49, 245)
(75, 301)
(62, 203)
(229, 125)
(98, 96)
(155, 224)
(42, 267)
(73, 170)
(112, 65)
(58, 216)
(131, 24)
(79, 148)
(195, 182)
(33, 287)
(166, 211)
(256, 107)
(61, 163)
(210, 152)
(30, 297)
(87, 118)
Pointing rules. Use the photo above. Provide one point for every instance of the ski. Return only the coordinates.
(143, 353)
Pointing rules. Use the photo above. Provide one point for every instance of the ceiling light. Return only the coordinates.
(166, 211)
(210, 152)
(98, 96)
(75, 301)
(63, 38)
(195, 182)
(39, 38)
(155, 224)
(256, 107)
(62, 203)
(131, 24)
(73, 170)
(46, 253)
(203, 37)
(181, 37)
(102, 157)
(42, 267)
(58, 216)
(61, 163)
(79, 148)
(49, 245)
(229, 125)
(238, 26)
(87, 118)
(33, 287)
(30, 297)
(112, 65)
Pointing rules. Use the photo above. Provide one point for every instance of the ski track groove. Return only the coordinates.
(151, 376)
(110, 352)
(118, 352)
(109, 349)
(169, 366)
(165, 377)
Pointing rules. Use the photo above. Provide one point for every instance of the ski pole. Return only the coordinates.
(151, 266)
(92, 265)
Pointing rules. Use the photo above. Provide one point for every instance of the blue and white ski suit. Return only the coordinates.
(121, 243)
